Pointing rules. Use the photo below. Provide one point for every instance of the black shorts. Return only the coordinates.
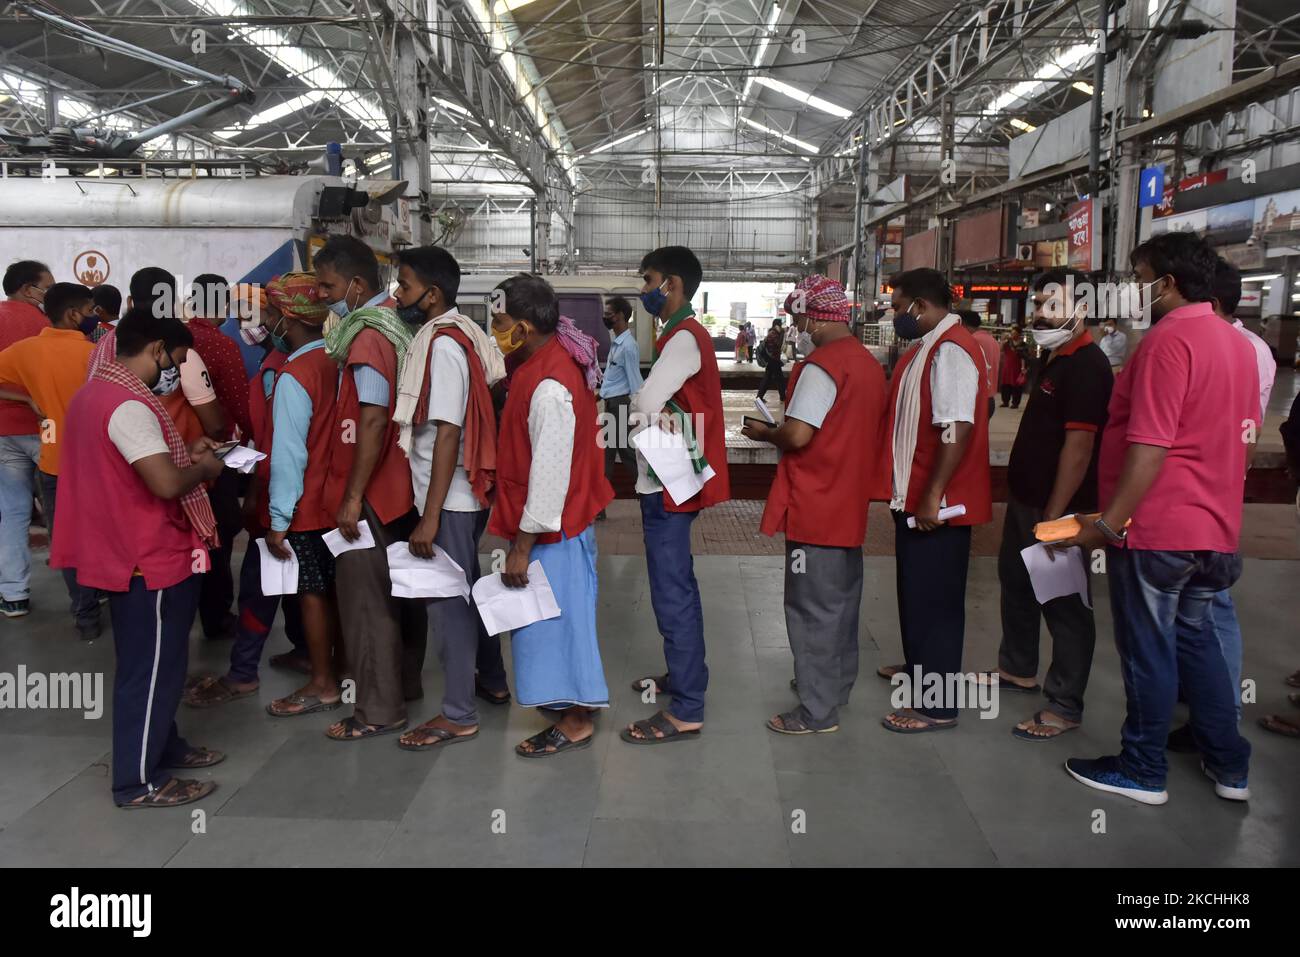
(315, 561)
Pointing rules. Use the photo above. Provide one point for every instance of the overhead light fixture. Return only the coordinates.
(1022, 125)
(378, 158)
(1264, 278)
(779, 135)
(1084, 88)
(619, 141)
(816, 102)
(767, 38)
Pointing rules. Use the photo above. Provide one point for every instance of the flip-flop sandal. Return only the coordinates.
(888, 671)
(791, 723)
(1024, 734)
(931, 724)
(288, 661)
(311, 705)
(1035, 688)
(197, 758)
(656, 722)
(173, 794)
(487, 695)
(440, 736)
(554, 739)
(351, 724)
(1279, 725)
(661, 684)
(212, 691)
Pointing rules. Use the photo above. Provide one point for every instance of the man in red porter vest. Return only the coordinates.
(830, 449)
(684, 382)
(936, 445)
(135, 522)
(550, 482)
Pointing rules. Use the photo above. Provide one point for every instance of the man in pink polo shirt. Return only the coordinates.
(1171, 482)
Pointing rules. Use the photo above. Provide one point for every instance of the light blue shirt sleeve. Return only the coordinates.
(291, 413)
(630, 357)
(372, 387)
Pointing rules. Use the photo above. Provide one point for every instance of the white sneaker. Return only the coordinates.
(1228, 792)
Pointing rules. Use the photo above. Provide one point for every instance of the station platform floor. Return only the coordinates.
(974, 796)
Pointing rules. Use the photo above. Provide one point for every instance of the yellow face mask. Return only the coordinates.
(507, 342)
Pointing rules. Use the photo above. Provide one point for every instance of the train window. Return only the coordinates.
(587, 310)
(476, 311)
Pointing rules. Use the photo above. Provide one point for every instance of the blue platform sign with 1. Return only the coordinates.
(1151, 186)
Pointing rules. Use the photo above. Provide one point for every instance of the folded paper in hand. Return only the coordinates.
(242, 459)
(668, 455)
(337, 544)
(1066, 575)
(415, 577)
(278, 577)
(505, 609)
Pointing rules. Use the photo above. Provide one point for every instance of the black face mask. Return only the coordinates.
(609, 323)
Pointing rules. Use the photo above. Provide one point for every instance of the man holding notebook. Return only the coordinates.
(936, 459)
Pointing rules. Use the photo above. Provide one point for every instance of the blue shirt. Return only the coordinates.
(291, 411)
(623, 368)
(372, 387)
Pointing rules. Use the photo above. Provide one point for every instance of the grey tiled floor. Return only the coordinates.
(975, 796)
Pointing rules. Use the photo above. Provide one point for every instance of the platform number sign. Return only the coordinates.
(1151, 187)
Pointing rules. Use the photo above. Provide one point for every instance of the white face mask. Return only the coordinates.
(1055, 338)
(804, 344)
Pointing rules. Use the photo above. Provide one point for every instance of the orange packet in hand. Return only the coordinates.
(1065, 527)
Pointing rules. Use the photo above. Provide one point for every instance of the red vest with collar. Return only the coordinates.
(701, 399)
(822, 491)
(318, 375)
(589, 490)
(969, 484)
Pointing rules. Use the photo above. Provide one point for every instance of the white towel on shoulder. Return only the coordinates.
(410, 378)
(907, 411)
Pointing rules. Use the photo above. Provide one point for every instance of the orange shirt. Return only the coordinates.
(50, 367)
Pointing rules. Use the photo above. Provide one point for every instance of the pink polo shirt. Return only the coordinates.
(1192, 387)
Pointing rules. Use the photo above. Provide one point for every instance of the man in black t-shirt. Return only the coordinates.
(1052, 472)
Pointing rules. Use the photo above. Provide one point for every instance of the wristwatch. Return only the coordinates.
(1112, 536)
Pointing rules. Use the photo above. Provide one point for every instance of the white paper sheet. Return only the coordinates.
(1067, 575)
(242, 459)
(667, 454)
(505, 609)
(337, 544)
(764, 411)
(278, 577)
(415, 577)
(952, 511)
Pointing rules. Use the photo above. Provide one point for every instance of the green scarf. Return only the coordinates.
(698, 461)
(380, 318)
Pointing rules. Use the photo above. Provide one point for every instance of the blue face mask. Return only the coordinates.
(655, 300)
(906, 325)
(278, 342)
(341, 308)
(88, 323)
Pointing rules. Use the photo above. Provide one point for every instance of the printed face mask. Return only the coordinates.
(168, 379)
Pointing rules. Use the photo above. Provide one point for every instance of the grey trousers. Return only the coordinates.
(1070, 621)
(384, 637)
(823, 592)
(464, 646)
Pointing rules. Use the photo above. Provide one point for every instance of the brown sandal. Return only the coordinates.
(214, 690)
(196, 758)
(173, 794)
(433, 736)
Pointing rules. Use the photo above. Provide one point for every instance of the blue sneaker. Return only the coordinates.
(1104, 775)
(1236, 791)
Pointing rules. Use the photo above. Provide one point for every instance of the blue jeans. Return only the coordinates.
(18, 455)
(1223, 618)
(675, 597)
(1165, 634)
